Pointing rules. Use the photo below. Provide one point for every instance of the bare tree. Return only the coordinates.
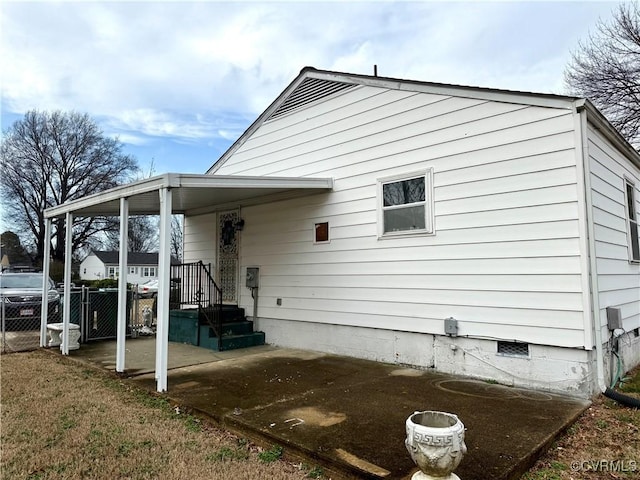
(51, 158)
(606, 69)
(143, 235)
(143, 231)
(176, 236)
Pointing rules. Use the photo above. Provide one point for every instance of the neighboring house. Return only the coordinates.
(457, 228)
(99, 265)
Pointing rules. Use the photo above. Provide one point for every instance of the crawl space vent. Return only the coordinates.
(309, 91)
(515, 349)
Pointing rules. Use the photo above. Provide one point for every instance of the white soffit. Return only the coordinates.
(191, 193)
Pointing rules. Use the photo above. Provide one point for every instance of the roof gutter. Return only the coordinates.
(600, 123)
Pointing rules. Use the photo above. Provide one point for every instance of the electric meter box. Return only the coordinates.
(252, 277)
(614, 318)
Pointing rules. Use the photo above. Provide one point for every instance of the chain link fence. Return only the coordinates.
(94, 310)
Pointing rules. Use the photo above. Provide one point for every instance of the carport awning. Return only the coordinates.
(192, 193)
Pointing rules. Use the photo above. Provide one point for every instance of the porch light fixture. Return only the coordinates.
(239, 225)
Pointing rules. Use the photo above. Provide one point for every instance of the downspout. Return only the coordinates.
(581, 126)
(584, 108)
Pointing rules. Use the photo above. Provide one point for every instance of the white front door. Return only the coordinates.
(228, 255)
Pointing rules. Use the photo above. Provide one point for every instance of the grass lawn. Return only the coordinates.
(64, 421)
(61, 420)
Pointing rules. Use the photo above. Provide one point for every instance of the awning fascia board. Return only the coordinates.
(83, 206)
(124, 191)
(233, 181)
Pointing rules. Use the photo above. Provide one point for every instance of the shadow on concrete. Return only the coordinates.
(346, 414)
(19, 341)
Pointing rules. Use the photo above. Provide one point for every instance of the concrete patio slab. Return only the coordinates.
(347, 414)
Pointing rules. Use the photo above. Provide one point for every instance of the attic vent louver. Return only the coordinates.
(309, 91)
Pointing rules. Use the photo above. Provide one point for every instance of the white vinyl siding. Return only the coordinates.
(506, 258)
(135, 274)
(199, 237)
(92, 268)
(618, 278)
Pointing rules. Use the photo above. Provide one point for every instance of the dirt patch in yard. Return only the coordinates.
(603, 444)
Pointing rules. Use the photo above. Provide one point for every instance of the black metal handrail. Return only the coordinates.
(193, 284)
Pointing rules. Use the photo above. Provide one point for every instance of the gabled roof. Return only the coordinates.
(111, 257)
(313, 85)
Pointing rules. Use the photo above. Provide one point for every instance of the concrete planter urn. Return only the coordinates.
(435, 441)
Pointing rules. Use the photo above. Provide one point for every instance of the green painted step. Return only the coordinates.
(183, 326)
(230, 314)
(234, 342)
(237, 328)
(228, 329)
(230, 342)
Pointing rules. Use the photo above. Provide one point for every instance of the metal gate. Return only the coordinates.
(99, 313)
(95, 310)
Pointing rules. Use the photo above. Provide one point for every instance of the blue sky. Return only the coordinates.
(178, 82)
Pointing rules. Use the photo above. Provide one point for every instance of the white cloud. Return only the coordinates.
(131, 139)
(200, 70)
(151, 123)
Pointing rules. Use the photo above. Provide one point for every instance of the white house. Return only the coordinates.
(99, 265)
(457, 228)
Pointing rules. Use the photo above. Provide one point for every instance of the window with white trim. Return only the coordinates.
(133, 270)
(149, 271)
(632, 221)
(405, 204)
(112, 272)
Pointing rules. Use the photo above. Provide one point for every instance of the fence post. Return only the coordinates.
(84, 317)
(4, 334)
(136, 303)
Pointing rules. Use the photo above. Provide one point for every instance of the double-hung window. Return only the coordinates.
(149, 271)
(406, 204)
(632, 221)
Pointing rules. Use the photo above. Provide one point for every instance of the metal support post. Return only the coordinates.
(121, 332)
